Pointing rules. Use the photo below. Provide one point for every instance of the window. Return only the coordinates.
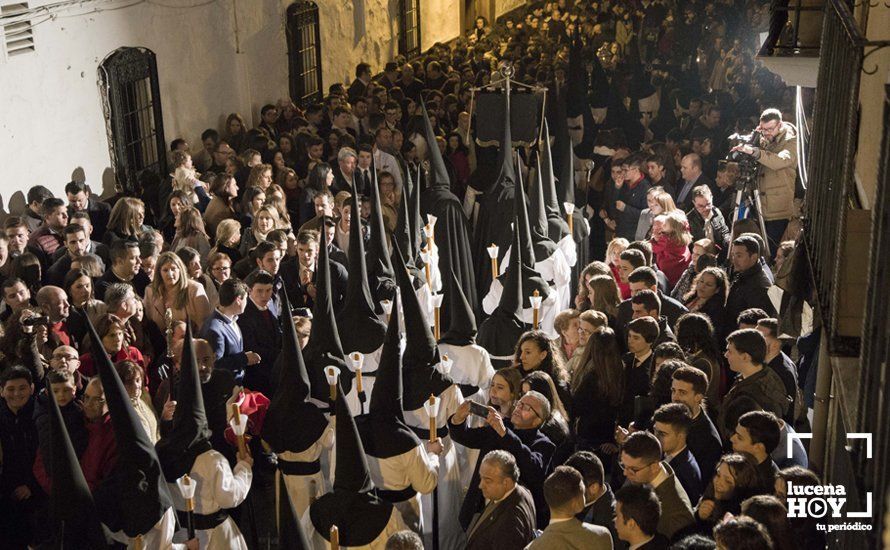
(128, 78)
(409, 28)
(15, 27)
(304, 52)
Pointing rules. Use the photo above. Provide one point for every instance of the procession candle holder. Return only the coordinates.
(445, 364)
(239, 426)
(432, 409)
(332, 374)
(335, 538)
(187, 488)
(429, 230)
(168, 321)
(387, 308)
(493, 254)
(356, 361)
(437, 305)
(570, 209)
(137, 543)
(536, 300)
(427, 257)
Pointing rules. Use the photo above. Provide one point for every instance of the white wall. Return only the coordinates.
(51, 121)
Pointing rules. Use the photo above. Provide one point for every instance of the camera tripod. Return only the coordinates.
(747, 198)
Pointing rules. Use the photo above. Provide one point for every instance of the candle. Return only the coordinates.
(335, 538)
(239, 425)
(432, 409)
(493, 254)
(387, 308)
(187, 488)
(536, 306)
(357, 359)
(426, 257)
(437, 304)
(445, 364)
(570, 209)
(332, 374)
(428, 231)
(137, 543)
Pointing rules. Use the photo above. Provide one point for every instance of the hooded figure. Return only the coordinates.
(74, 518)
(471, 370)
(500, 331)
(186, 450)
(451, 234)
(422, 378)
(290, 531)
(361, 328)
(324, 348)
(400, 464)
(557, 226)
(380, 275)
(494, 207)
(405, 234)
(295, 429)
(362, 519)
(133, 501)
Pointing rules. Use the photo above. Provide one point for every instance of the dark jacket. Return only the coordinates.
(299, 295)
(748, 289)
(718, 227)
(784, 367)
(764, 387)
(261, 334)
(634, 202)
(670, 308)
(510, 525)
(18, 437)
(687, 471)
(602, 512)
(532, 450)
(704, 443)
(227, 342)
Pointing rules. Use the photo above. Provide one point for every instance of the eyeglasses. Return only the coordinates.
(97, 400)
(526, 407)
(222, 269)
(625, 468)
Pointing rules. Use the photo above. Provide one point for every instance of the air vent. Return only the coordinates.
(18, 35)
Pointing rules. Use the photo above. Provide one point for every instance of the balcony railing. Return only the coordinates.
(795, 28)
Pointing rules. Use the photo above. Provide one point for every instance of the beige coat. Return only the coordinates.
(778, 173)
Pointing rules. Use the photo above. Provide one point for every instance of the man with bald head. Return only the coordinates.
(53, 303)
(691, 171)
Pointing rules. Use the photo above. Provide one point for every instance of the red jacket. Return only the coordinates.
(671, 258)
(88, 362)
(96, 461)
(624, 288)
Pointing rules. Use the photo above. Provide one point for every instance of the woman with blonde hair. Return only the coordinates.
(264, 220)
(260, 176)
(275, 198)
(604, 296)
(228, 235)
(126, 221)
(659, 202)
(670, 245)
(172, 288)
(613, 257)
(190, 232)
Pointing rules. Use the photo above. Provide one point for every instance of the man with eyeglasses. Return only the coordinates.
(642, 464)
(521, 436)
(706, 221)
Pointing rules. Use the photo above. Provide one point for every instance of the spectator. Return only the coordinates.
(637, 517)
(597, 389)
(564, 492)
(125, 268)
(689, 386)
(599, 508)
(508, 520)
(224, 334)
(757, 433)
(671, 424)
(742, 533)
(750, 281)
(173, 289)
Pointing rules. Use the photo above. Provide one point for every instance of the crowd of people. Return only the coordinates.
(360, 320)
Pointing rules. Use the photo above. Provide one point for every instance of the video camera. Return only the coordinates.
(748, 165)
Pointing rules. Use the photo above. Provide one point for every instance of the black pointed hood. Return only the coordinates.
(324, 348)
(461, 328)
(600, 94)
(383, 430)
(71, 502)
(417, 222)
(362, 329)
(557, 226)
(134, 496)
(404, 233)
(359, 515)
(456, 256)
(190, 435)
(291, 423)
(531, 280)
(576, 85)
(544, 246)
(499, 333)
(438, 172)
(507, 174)
(420, 377)
(290, 530)
(380, 275)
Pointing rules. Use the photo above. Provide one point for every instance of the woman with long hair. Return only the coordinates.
(459, 156)
(290, 184)
(224, 189)
(171, 288)
(190, 232)
(708, 295)
(228, 235)
(597, 390)
(260, 176)
(192, 260)
(535, 351)
(287, 146)
(658, 202)
(736, 480)
(78, 286)
(613, 256)
(319, 179)
(700, 248)
(276, 199)
(126, 221)
(253, 199)
(265, 220)
(604, 296)
(591, 270)
(179, 200)
(236, 132)
(112, 334)
(505, 390)
(695, 335)
(670, 245)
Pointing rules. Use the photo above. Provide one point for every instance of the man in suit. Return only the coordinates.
(564, 493)
(641, 463)
(299, 274)
(691, 170)
(671, 424)
(81, 200)
(222, 332)
(126, 267)
(261, 331)
(750, 281)
(521, 436)
(644, 278)
(360, 85)
(637, 515)
(343, 172)
(689, 387)
(600, 501)
(508, 519)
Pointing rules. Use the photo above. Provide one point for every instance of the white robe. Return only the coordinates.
(451, 535)
(556, 270)
(318, 542)
(160, 536)
(304, 489)
(372, 361)
(414, 468)
(218, 487)
(546, 315)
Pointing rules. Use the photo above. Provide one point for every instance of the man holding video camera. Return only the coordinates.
(777, 156)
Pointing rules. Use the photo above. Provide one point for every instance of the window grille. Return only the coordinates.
(304, 52)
